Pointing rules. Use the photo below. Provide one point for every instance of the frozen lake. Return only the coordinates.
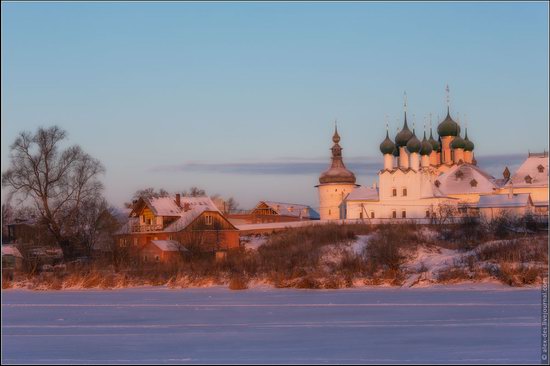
(215, 325)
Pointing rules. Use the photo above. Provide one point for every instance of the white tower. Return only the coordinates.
(335, 184)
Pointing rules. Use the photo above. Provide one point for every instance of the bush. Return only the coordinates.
(238, 283)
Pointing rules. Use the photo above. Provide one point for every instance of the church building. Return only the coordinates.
(422, 178)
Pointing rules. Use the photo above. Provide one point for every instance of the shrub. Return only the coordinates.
(238, 283)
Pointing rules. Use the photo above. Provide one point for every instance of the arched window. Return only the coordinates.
(404, 192)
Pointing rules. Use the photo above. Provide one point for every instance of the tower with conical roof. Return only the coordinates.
(387, 148)
(402, 138)
(447, 130)
(335, 184)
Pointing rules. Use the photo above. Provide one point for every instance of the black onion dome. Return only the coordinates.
(414, 145)
(468, 145)
(396, 151)
(404, 135)
(426, 146)
(434, 142)
(458, 143)
(448, 127)
(387, 146)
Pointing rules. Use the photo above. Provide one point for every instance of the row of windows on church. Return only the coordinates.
(394, 214)
(403, 192)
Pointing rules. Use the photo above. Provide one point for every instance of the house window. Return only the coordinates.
(157, 258)
(459, 174)
(394, 214)
(361, 215)
(404, 192)
(473, 183)
(135, 242)
(329, 212)
(540, 168)
(394, 192)
(528, 179)
(437, 183)
(208, 219)
(372, 214)
(427, 213)
(145, 258)
(403, 214)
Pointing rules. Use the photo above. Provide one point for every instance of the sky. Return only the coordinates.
(241, 98)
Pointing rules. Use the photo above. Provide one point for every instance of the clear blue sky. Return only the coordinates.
(240, 98)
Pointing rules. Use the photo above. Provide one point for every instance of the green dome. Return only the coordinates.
(468, 145)
(426, 146)
(458, 143)
(404, 135)
(434, 142)
(414, 145)
(396, 151)
(448, 127)
(387, 146)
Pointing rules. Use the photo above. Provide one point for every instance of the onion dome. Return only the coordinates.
(448, 127)
(404, 135)
(435, 144)
(458, 143)
(414, 145)
(468, 145)
(387, 146)
(396, 151)
(337, 173)
(426, 146)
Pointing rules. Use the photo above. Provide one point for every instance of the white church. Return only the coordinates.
(421, 178)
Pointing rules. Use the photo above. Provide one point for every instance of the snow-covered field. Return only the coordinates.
(460, 324)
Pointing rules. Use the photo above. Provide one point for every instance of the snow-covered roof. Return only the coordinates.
(465, 179)
(363, 194)
(291, 209)
(189, 209)
(504, 200)
(535, 167)
(169, 245)
(10, 249)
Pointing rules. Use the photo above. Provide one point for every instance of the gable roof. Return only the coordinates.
(530, 168)
(10, 249)
(458, 180)
(291, 209)
(505, 200)
(169, 245)
(363, 194)
(166, 206)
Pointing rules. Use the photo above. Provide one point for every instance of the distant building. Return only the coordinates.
(194, 223)
(270, 211)
(420, 177)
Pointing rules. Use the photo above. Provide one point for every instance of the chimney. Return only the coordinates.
(178, 199)
(186, 207)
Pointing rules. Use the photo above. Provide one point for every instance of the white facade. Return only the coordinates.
(420, 180)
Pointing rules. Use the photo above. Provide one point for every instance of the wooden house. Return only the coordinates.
(158, 225)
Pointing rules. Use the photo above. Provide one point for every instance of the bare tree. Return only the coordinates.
(149, 192)
(56, 182)
(194, 192)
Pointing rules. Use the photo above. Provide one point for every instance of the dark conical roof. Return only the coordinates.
(414, 145)
(468, 145)
(458, 143)
(434, 142)
(396, 151)
(448, 127)
(387, 146)
(426, 146)
(337, 172)
(404, 135)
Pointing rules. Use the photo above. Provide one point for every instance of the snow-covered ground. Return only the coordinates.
(459, 324)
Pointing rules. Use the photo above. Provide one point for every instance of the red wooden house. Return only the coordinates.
(189, 224)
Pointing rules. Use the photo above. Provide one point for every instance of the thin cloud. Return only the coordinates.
(494, 164)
